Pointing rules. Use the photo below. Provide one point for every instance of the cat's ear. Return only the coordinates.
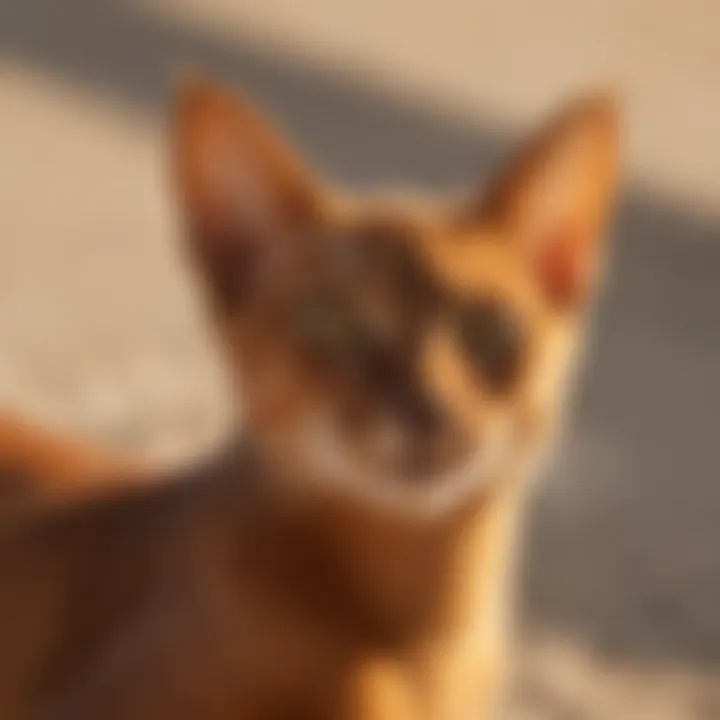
(554, 198)
(245, 196)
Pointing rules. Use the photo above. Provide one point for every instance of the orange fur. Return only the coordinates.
(279, 580)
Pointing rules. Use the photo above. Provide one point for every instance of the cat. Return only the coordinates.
(349, 552)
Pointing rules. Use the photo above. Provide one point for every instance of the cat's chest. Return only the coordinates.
(455, 681)
(455, 673)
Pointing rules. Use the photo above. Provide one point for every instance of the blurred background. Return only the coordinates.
(102, 333)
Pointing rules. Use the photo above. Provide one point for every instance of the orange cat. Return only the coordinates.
(349, 553)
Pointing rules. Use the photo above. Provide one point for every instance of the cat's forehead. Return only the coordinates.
(425, 252)
(373, 249)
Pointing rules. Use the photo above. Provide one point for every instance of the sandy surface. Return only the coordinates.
(101, 331)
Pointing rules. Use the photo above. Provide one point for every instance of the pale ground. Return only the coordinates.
(101, 334)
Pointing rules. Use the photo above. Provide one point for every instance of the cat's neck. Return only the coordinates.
(404, 576)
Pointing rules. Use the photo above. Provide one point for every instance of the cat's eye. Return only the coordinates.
(492, 336)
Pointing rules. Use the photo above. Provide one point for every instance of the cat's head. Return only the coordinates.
(404, 353)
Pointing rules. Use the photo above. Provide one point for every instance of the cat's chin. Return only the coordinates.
(328, 459)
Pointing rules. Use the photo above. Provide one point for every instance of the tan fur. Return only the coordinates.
(261, 585)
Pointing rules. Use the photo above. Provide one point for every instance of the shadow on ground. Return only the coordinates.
(624, 538)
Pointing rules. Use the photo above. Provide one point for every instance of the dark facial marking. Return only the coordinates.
(391, 261)
(327, 329)
(367, 328)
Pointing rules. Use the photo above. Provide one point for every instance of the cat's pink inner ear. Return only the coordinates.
(554, 200)
(242, 190)
(564, 266)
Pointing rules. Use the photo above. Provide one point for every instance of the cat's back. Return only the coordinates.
(171, 600)
(189, 598)
(74, 577)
